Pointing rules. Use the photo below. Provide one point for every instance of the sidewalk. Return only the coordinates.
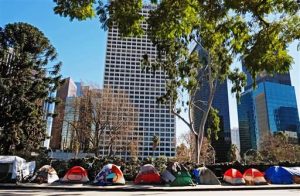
(132, 187)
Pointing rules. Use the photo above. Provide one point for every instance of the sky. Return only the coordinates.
(81, 45)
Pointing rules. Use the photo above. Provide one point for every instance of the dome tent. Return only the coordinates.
(254, 177)
(282, 175)
(76, 174)
(45, 174)
(203, 175)
(177, 175)
(110, 175)
(234, 177)
(148, 175)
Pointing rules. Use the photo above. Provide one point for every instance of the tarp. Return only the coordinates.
(45, 174)
(177, 175)
(234, 177)
(18, 165)
(76, 174)
(282, 175)
(254, 177)
(204, 175)
(148, 175)
(110, 175)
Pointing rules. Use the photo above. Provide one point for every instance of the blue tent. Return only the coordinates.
(281, 175)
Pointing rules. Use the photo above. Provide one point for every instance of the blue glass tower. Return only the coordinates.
(269, 108)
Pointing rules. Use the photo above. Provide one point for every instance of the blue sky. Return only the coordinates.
(81, 45)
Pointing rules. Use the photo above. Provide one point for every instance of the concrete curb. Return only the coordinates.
(133, 188)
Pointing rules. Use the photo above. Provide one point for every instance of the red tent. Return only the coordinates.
(148, 175)
(234, 177)
(254, 177)
(76, 174)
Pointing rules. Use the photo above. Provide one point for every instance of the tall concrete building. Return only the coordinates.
(123, 72)
(269, 108)
(221, 103)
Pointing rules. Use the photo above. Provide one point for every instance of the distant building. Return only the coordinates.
(65, 93)
(49, 111)
(269, 108)
(221, 103)
(123, 72)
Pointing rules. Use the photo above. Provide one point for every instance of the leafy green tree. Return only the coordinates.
(26, 79)
(257, 31)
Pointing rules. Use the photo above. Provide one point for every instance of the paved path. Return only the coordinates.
(292, 192)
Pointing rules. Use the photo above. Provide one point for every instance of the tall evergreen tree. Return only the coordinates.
(28, 73)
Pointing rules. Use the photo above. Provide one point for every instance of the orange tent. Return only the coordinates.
(234, 177)
(254, 177)
(76, 174)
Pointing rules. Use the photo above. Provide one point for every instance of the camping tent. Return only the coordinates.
(282, 175)
(234, 177)
(110, 175)
(76, 174)
(177, 175)
(148, 175)
(15, 168)
(254, 177)
(204, 175)
(45, 174)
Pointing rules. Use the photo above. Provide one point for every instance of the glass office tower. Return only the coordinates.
(269, 108)
(123, 72)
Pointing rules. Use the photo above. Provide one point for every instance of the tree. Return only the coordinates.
(258, 32)
(252, 157)
(186, 147)
(26, 79)
(182, 153)
(155, 142)
(274, 148)
(234, 154)
(104, 119)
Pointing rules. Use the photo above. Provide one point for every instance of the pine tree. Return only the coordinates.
(28, 73)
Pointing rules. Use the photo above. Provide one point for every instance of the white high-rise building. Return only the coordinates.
(123, 72)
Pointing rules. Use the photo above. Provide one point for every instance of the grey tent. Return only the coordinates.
(14, 168)
(204, 175)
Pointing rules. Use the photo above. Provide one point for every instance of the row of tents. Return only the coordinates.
(175, 174)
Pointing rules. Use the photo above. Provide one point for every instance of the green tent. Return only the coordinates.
(182, 178)
(177, 175)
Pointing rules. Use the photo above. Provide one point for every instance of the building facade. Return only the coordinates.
(65, 93)
(269, 108)
(123, 72)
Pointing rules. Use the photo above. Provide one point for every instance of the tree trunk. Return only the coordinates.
(200, 142)
(196, 148)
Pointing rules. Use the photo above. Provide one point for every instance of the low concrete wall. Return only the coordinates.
(68, 155)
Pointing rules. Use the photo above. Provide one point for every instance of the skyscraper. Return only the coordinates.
(123, 72)
(269, 108)
(64, 94)
(221, 103)
(264, 77)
